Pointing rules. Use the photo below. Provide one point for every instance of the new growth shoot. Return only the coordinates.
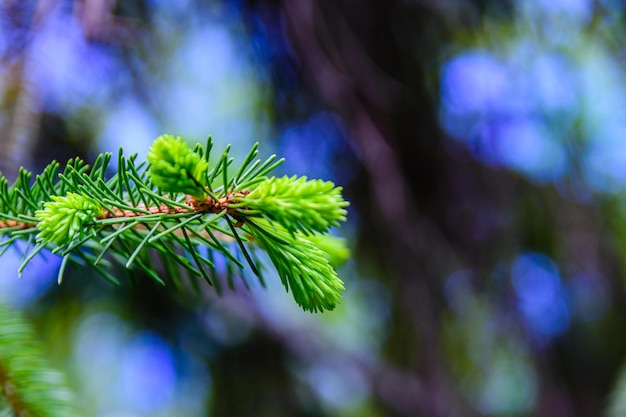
(175, 212)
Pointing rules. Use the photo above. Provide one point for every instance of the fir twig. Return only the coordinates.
(174, 205)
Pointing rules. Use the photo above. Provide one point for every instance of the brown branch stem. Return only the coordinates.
(195, 205)
(5, 224)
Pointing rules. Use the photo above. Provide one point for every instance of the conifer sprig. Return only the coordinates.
(175, 212)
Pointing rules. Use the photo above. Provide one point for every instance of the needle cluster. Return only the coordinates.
(173, 214)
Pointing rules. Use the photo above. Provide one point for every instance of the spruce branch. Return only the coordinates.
(176, 211)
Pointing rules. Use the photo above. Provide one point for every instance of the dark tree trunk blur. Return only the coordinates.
(423, 202)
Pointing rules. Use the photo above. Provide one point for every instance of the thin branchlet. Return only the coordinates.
(14, 224)
(174, 206)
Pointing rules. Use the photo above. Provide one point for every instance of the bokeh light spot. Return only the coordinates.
(541, 297)
(474, 81)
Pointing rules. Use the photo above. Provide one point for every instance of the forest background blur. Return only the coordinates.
(482, 145)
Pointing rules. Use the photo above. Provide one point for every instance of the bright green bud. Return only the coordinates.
(336, 249)
(176, 168)
(65, 217)
(302, 266)
(298, 204)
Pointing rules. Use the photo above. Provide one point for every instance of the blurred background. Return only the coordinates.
(482, 144)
